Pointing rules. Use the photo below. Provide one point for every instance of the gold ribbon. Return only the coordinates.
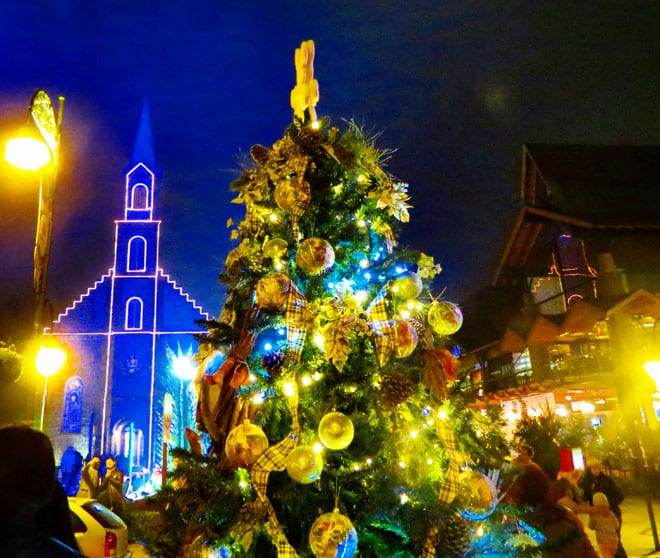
(274, 459)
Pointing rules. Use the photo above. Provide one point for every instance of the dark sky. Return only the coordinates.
(456, 87)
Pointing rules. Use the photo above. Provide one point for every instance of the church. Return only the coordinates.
(127, 337)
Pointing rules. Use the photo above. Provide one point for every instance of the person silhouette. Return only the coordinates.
(34, 512)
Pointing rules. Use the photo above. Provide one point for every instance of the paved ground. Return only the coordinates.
(636, 533)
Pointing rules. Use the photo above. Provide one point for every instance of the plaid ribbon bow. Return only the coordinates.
(381, 326)
(274, 459)
(294, 316)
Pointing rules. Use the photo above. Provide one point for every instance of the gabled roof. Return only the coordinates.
(581, 318)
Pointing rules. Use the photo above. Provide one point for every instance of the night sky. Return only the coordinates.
(456, 87)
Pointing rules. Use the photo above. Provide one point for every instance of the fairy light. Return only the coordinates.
(404, 498)
(361, 296)
(319, 340)
(289, 389)
(414, 434)
(442, 414)
(402, 465)
(364, 263)
(429, 461)
(315, 125)
(258, 398)
(317, 448)
(479, 531)
(357, 468)
(361, 178)
(369, 461)
(317, 376)
(306, 380)
(362, 224)
(273, 218)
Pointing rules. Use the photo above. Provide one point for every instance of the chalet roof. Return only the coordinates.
(581, 318)
(603, 184)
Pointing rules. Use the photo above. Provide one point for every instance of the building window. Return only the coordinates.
(72, 408)
(134, 308)
(140, 197)
(128, 442)
(137, 254)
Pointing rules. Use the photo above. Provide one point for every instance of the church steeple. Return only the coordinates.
(143, 151)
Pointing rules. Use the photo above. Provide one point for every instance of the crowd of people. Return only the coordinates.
(34, 509)
(555, 506)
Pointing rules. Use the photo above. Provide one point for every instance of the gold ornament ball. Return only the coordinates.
(445, 317)
(245, 443)
(407, 285)
(275, 248)
(272, 291)
(336, 431)
(289, 195)
(333, 536)
(304, 465)
(405, 339)
(476, 496)
(315, 255)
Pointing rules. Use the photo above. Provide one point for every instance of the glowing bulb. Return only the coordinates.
(319, 340)
(364, 263)
(480, 531)
(369, 461)
(442, 414)
(273, 218)
(402, 465)
(361, 178)
(429, 461)
(361, 296)
(404, 498)
(315, 125)
(405, 314)
(268, 346)
(306, 380)
(258, 398)
(242, 484)
(362, 223)
(317, 376)
(414, 434)
(317, 448)
(356, 468)
(289, 389)
(252, 378)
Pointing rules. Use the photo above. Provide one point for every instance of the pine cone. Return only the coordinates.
(272, 362)
(396, 388)
(453, 537)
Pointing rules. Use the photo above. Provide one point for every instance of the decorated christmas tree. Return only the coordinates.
(326, 424)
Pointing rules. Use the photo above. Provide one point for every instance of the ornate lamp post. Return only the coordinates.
(30, 153)
(184, 369)
(40, 154)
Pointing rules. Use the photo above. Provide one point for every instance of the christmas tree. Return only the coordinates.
(325, 385)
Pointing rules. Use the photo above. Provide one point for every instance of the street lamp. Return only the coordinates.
(184, 369)
(49, 361)
(29, 153)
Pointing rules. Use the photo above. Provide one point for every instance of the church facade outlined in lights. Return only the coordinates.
(124, 337)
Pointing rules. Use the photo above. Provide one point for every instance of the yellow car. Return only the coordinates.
(99, 532)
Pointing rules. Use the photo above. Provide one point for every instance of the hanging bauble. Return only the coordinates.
(333, 536)
(304, 465)
(445, 317)
(476, 496)
(291, 195)
(405, 339)
(245, 443)
(407, 285)
(315, 255)
(336, 431)
(275, 248)
(272, 291)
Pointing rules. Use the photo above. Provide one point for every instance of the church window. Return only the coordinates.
(140, 197)
(137, 254)
(134, 313)
(72, 408)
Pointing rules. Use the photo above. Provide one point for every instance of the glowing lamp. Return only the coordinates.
(652, 368)
(27, 153)
(49, 360)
